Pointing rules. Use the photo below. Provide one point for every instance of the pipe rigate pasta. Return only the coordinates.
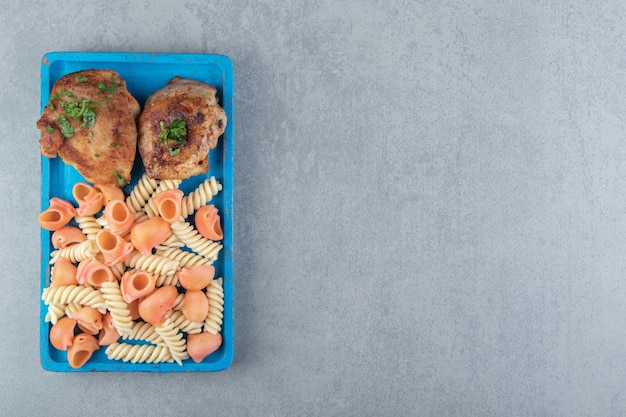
(190, 237)
(138, 353)
(150, 209)
(200, 196)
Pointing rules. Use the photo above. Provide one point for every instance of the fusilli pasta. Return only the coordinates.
(138, 353)
(117, 306)
(215, 294)
(200, 196)
(194, 240)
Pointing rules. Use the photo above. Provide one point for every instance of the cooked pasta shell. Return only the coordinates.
(207, 222)
(169, 204)
(63, 273)
(57, 215)
(81, 350)
(67, 235)
(113, 247)
(196, 277)
(109, 192)
(93, 272)
(62, 333)
(88, 319)
(88, 198)
(201, 345)
(196, 306)
(136, 284)
(118, 217)
(153, 307)
(146, 235)
(108, 333)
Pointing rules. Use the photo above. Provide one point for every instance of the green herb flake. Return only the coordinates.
(51, 106)
(175, 132)
(66, 128)
(119, 178)
(102, 86)
(66, 93)
(113, 144)
(97, 155)
(81, 78)
(54, 97)
(90, 134)
(49, 129)
(174, 152)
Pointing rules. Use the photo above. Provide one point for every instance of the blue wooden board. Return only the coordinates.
(144, 74)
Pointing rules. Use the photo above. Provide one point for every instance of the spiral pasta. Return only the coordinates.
(162, 279)
(215, 318)
(138, 353)
(174, 340)
(81, 294)
(76, 252)
(117, 306)
(190, 237)
(171, 242)
(89, 225)
(179, 321)
(184, 258)
(55, 312)
(200, 196)
(154, 264)
(141, 193)
(144, 331)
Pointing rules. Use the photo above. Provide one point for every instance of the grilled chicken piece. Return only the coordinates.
(90, 122)
(179, 124)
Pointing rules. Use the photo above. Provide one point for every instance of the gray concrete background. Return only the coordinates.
(430, 207)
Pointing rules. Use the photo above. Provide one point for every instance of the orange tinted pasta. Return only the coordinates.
(81, 350)
(88, 319)
(88, 198)
(67, 235)
(93, 272)
(118, 217)
(153, 307)
(196, 306)
(207, 222)
(169, 204)
(196, 277)
(201, 345)
(136, 284)
(57, 215)
(109, 333)
(146, 235)
(109, 192)
(62, 333)
(63, 273)
(113, 247)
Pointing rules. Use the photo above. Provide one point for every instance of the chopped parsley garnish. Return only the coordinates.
(66, 128)
(81, 78)
(49, 129)
(113, 144)
(97, 155)
(77, 110)
(119, 178)
(51, 106)
(66, 93)
(176, 132)
(54, 97)
(102, 86)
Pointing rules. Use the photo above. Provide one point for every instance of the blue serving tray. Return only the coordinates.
(145, 73)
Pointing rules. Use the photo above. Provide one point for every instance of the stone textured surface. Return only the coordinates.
(430, 207)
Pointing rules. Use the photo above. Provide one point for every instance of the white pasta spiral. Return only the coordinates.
(89, 225)
(81, 294)
(163, 279)
(141, 193)
(200, 196)
(215, 294)
(174, 340)
(76, 252)
(194, 240)
(150, 209)
(179, 303)
(153, 264)
(171, 242)
(144, 331)
(120, 314)
(138, 353)
(181, 322)
(185, 259)
(55, 312)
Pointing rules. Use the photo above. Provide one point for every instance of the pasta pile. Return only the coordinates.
(135, 268)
